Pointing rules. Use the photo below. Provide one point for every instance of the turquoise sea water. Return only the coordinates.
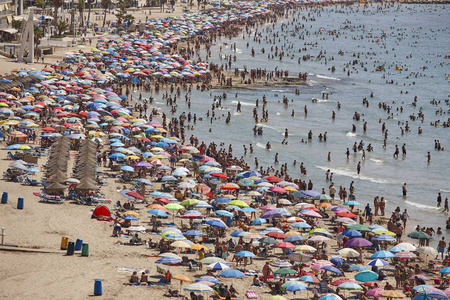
(415, 37)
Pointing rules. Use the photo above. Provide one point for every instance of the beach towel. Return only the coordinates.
(251, 294)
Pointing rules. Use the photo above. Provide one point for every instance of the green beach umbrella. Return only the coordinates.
(173, 206)
(285, 271)
(419, 235)
(359, 227)
(189, 202)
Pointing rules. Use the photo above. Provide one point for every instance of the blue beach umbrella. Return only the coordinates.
(302, 225)
(167, 260)
(352, 233)
(378, 262)
(127, 169)
(337, 261)
(259, 221)
(397, 249)
(384, 237)
(236, 233)
(193, 233)
(366, 275)
(224, 213)
(245, 254)
(131, 218)
(294, 238)
(358, 268)
(231, 273)
(158, 213)
(332, 269)
(218, 266)
(382, 254)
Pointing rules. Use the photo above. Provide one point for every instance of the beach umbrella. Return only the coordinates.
(173, 206)
(277, 298)
(238, 203)
(419, 276)
(285, 245)
(285, 271)
(322, 197)
(329, 296)
(337, 261)
(216, 223)
(300, 257)
(169, 254)
(355, 242)
(193, 233)
(430, 251)
(397, 249)
(332, 269)
(374, 292)
(292, 285)
(281, 264)
(422, 288)
(366, 275)
(245, 254)
(198, 247)
(309, 278)
(318, 238)
(268, 240)
(158, 213)
(348, 252)
(434, 294)
(180, 244)
(189, 202)
(303, 225)
(360, 228)
(384, 237)
(218, 266)
(167, 260)
(445, 270)
(127, 169)
(358, 268)
(294, 238)
(212, 259)
(231, 273)
(276, 234)
(224, 213)
(341, 281)
(259, 221)
(407, 246)
(306, 248)
(378, 263)
(174, 237)
(349, 285)
(352, 203)
(382, 254)
(196, 287)
(405, 255)
(352, 233)
(131, 218)
(392, 294)
(236, 233)
(419, 235)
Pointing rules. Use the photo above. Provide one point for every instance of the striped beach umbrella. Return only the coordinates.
(281, 264)
(405, 255)
(197, 287)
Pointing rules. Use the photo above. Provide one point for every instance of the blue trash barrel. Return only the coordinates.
(78, 245)
(20, 203)
(98, 288)
(71, 248)
(5, 198)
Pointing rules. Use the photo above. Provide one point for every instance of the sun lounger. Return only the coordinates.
(51, 199)
(251, 294)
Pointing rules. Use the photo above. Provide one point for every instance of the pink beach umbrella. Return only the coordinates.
(374, 292)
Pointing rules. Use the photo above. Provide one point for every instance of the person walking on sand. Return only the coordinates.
(441, 248)
(405, 217)
(266, 271)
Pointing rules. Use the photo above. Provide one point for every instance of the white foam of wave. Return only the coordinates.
(350, 134)
(327, 77)
(242, 103)
(270, 127)
(444, 191)
(278, 90)
(160, 103)
(378, 161)
(422, 206)
(353, 174)
(260, 145)
(279, 114)
(236, 113)
(323, 100)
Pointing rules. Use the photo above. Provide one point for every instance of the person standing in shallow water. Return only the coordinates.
(404, 189)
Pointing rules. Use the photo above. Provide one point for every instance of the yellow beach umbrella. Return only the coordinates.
(198, 247)
(180, 244)
(131, 213)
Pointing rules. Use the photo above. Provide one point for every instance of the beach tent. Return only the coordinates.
(101, 211)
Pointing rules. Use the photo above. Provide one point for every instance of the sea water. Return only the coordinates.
(415, 37)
